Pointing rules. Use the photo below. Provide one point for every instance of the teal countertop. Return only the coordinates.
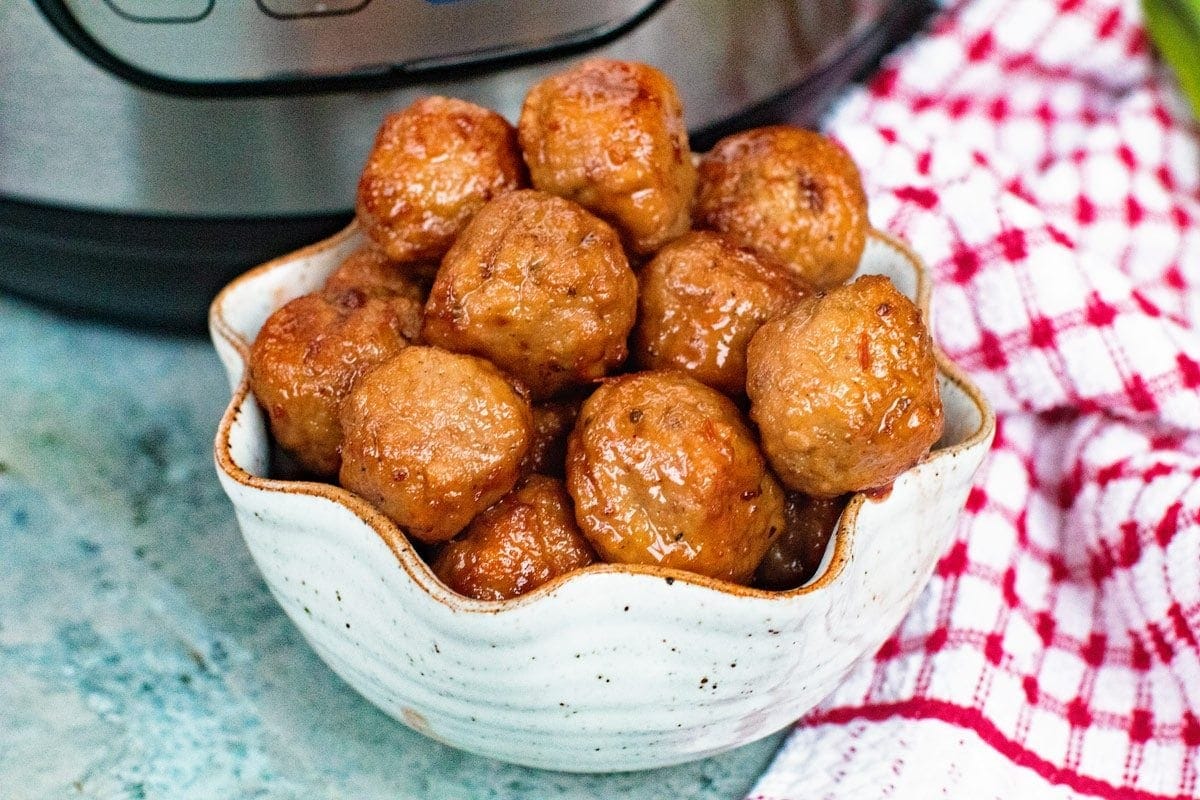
(141, 656)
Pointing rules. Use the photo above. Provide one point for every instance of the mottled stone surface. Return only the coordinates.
(140, 653)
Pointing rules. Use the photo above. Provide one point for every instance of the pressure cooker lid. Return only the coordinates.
(267, 46)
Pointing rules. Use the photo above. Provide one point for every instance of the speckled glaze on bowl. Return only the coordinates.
(610, 668)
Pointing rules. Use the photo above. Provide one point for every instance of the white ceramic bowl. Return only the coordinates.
(610, 668)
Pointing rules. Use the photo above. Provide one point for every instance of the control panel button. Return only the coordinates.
(291, 9)
(161, 10)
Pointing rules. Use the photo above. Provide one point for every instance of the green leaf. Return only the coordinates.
(1174, 26)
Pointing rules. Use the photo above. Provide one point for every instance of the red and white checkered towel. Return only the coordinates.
(1047, 169)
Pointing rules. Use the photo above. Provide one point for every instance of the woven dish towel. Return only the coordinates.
(1045, 166)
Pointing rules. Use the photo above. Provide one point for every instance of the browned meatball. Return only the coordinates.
(664, 471)
(792, 196)
(538, 286)
(610, 136)
(306, 358)
(525, 540)
(552, 424)
(369, 271)
(702, 298)
(795, 556)
(368, 268)
(434, 165)
(844, 389)
(433, 438)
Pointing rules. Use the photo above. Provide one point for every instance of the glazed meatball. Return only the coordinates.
(663, 471)
(552, 424)
(434, 165)
(305, 360)
(368, 268)
(522, 542)
(702, 298)
(792, 196)
(433, 438)
(369, 271)
(610, 136)
(793, 559)
(844, 389)
(538, 286)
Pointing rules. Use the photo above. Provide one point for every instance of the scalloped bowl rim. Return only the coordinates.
(420, 572)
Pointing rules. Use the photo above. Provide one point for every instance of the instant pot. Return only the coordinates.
(152, 149)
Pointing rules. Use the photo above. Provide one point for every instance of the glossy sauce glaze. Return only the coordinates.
(540, 287)
(433, 165)
(664, 471)
(610, 136)
(796, 555)
(520, 543)
(306, 359)
(433, 438)
(844, 389)
(791, 195)
(701, 299)
(552, 424)
(369, 270)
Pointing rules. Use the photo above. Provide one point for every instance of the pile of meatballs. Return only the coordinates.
(573, 341)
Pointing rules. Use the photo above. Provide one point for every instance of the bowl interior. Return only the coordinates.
(243, 441)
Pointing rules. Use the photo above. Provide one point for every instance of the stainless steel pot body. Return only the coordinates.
(73, 134)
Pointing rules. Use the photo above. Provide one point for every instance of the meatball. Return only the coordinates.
(793, 559)
(702, 298)
(369, 271)
(527, 539)
(368, 268)
(552, 424)
(434, 165)
(844, 389)
(610, 136)
(790, 195)
(433, 438)
(663, 471)
(538, 286)
(305, 360)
